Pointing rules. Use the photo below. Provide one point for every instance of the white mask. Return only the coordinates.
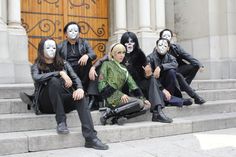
(162, 47)
(130, 45)
(72, 31)
(166, 35)
(49, 49)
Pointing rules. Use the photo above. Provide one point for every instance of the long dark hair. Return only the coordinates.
(125, 38)
(40, 60)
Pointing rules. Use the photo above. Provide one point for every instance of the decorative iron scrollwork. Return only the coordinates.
(101, 47)
(82, 4)
(50, 2)
(85, 27)
(45, 25)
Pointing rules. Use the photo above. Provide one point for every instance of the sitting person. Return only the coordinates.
(113, 77)
(185, 71)
(164, 69)
(59, 90)
(188, 69)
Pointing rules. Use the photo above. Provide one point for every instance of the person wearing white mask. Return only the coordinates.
(164, 69)
(188, 66)
(59, 90)
(77, 52)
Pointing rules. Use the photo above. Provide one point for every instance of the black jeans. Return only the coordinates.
(55, 98)
(188, 71)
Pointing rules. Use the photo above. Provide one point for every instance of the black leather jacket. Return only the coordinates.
(182, 56)
(165, 63)
(41, 78)
(83, 47)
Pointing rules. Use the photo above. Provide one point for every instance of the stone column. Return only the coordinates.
(144, 15)
(147, 37)
(120, 16)
(17, 43)
(160, 15)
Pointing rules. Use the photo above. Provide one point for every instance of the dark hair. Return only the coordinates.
(40, 60)
(125, 38)
(164, 31)
(163, 39)
(70, 23)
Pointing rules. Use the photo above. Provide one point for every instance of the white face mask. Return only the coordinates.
(130, 45)
(166, 35)
(49, 49)
(72, 31)
(162, 47)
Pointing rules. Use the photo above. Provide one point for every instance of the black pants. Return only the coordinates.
(55, 98)
(188, 71)
(151, 90)
(184, 86)
(83, 73)
(169, 82)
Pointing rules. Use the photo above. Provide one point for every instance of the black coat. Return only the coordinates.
(41, 78)
(165, 63)
(182, 56)
(83, 47)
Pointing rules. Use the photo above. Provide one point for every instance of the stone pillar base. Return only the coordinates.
(147, 41)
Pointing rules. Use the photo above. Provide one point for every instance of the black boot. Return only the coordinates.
(198, 100)
(108, 113)
(187, 102)
(159, 116)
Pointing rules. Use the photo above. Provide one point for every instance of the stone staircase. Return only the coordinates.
(21, 131)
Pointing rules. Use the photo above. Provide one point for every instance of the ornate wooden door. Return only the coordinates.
(46, 18)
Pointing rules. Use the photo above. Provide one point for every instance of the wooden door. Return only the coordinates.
(47, 18)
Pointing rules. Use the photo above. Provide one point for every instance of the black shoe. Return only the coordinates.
(96, 144)
(198, 100)
(27, 99)
(187, 102)
(159, 116)
(62, 128)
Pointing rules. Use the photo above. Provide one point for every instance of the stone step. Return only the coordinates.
(30, 121)
(40, 140)
(214, 84)
(13, 90)
(13, 106)
(8, 91)
(215, 95)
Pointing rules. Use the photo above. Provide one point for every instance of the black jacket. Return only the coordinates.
(165, 63)
(182, 56)
(83, 47)
(41, 78)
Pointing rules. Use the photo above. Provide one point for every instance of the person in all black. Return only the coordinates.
(78, 53)
(164, 69)
(187, 69)
(59, 90)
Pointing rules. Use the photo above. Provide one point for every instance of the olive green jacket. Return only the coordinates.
(113, 76)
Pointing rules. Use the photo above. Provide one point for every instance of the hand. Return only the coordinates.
(83, 60)
(66, 78)
(148, 70)
(92, 73)
(147, 104)
(167, 94)
(125, 99)
(78, 94)
(157, 72)
(201, 69)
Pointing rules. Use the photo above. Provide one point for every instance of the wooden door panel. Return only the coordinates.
(46, 18)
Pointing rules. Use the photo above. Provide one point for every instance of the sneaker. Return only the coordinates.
(62, 128)
(96, 144)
